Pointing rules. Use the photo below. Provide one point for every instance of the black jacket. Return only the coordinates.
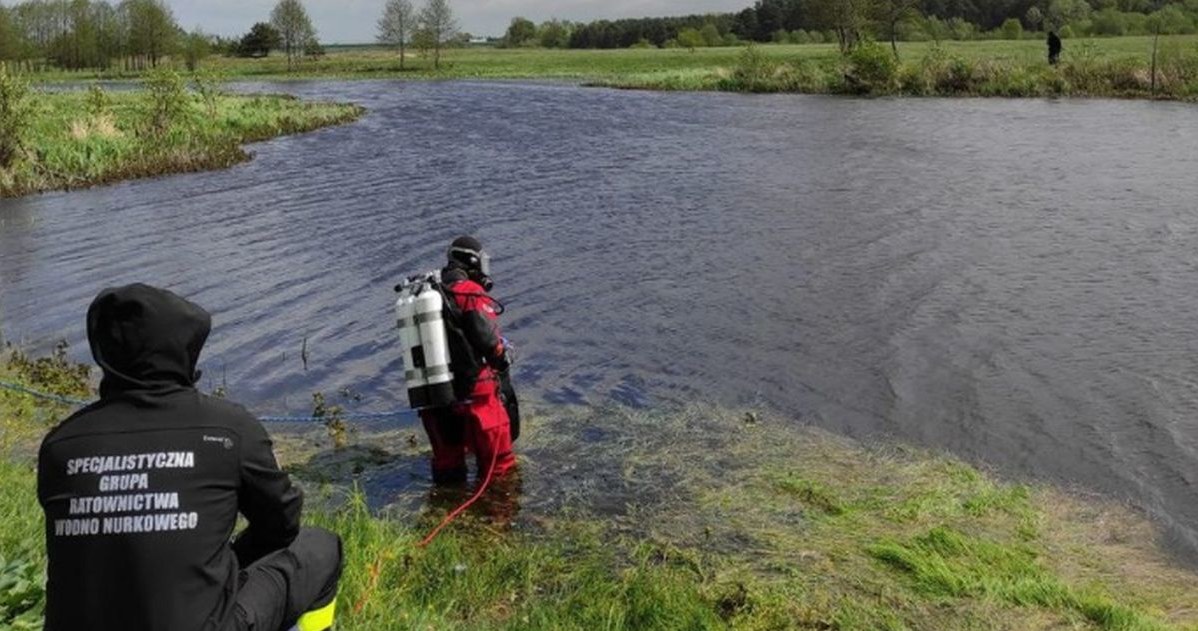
(141, 490)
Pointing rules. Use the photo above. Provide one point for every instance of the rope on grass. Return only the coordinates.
(362, 416)
(43, 395)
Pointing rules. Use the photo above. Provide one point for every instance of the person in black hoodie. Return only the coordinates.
(1054, 48)
(141, 492)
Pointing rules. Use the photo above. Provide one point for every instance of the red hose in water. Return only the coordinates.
(376, 569)
(461, 509)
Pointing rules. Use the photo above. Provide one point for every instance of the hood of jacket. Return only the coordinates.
(146, 339)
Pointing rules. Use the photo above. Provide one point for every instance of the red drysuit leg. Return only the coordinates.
(489, 433)
(447, 434)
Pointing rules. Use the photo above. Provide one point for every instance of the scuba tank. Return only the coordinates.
(423, 335)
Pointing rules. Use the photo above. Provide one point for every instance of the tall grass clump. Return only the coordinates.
(870, 68)
(1178, 70)
(166, 101)
(754, 72)
(944, 562)
(949, 74)
(98, 101)
(208, 87)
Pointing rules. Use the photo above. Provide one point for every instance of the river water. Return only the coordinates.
(1011, 280)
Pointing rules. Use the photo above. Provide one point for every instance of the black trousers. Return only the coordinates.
(278, 588)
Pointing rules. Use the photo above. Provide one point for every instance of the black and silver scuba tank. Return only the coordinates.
(422, 332)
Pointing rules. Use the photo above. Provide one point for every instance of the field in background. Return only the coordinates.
(368, 62)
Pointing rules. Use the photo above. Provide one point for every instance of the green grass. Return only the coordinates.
(688, 519)
(1091, 67)
(71, 146)
(1118, 67)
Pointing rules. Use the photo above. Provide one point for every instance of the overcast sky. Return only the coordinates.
(353, 21)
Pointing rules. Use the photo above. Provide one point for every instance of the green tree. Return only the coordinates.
(422, 41)
(555, 34)
(261, 39)
(439, 27)
(1171, 20)
(396, 25)
(1062, 13)
(711, 35)
(1011, 29)
(520, 32)
(1034, 17)
(892, 14)
(1109, 21)
(10, 44)
(961, 29)
(150, 30)
(314, 49)
(290, 19)
(196, 47)
(74, 45)
(110, 34)
(848, 20)
(690, 38)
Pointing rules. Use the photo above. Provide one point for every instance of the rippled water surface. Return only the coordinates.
(1015, 281)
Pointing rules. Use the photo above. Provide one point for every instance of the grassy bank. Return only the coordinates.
(84, 138)
(1119, 66)
(1087, 71)
(694, 519)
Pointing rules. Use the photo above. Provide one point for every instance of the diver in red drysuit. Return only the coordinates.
(478, 421)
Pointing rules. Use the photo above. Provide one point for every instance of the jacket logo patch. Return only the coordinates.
(225, 441)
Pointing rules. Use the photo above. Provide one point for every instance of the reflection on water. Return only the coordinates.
(1011, 280)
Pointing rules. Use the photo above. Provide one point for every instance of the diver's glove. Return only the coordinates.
(502, 363)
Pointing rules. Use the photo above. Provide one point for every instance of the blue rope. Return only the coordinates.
(363, 416)
(42, 395)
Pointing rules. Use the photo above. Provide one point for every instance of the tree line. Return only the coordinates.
(429, 29)
(848, 21)
(77, 34)
(139, 34)
(135, 35)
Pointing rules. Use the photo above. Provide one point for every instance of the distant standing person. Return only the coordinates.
(1054, 48)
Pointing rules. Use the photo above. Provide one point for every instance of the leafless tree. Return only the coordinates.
(396, 25)
(439, 26)
(291, 20)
